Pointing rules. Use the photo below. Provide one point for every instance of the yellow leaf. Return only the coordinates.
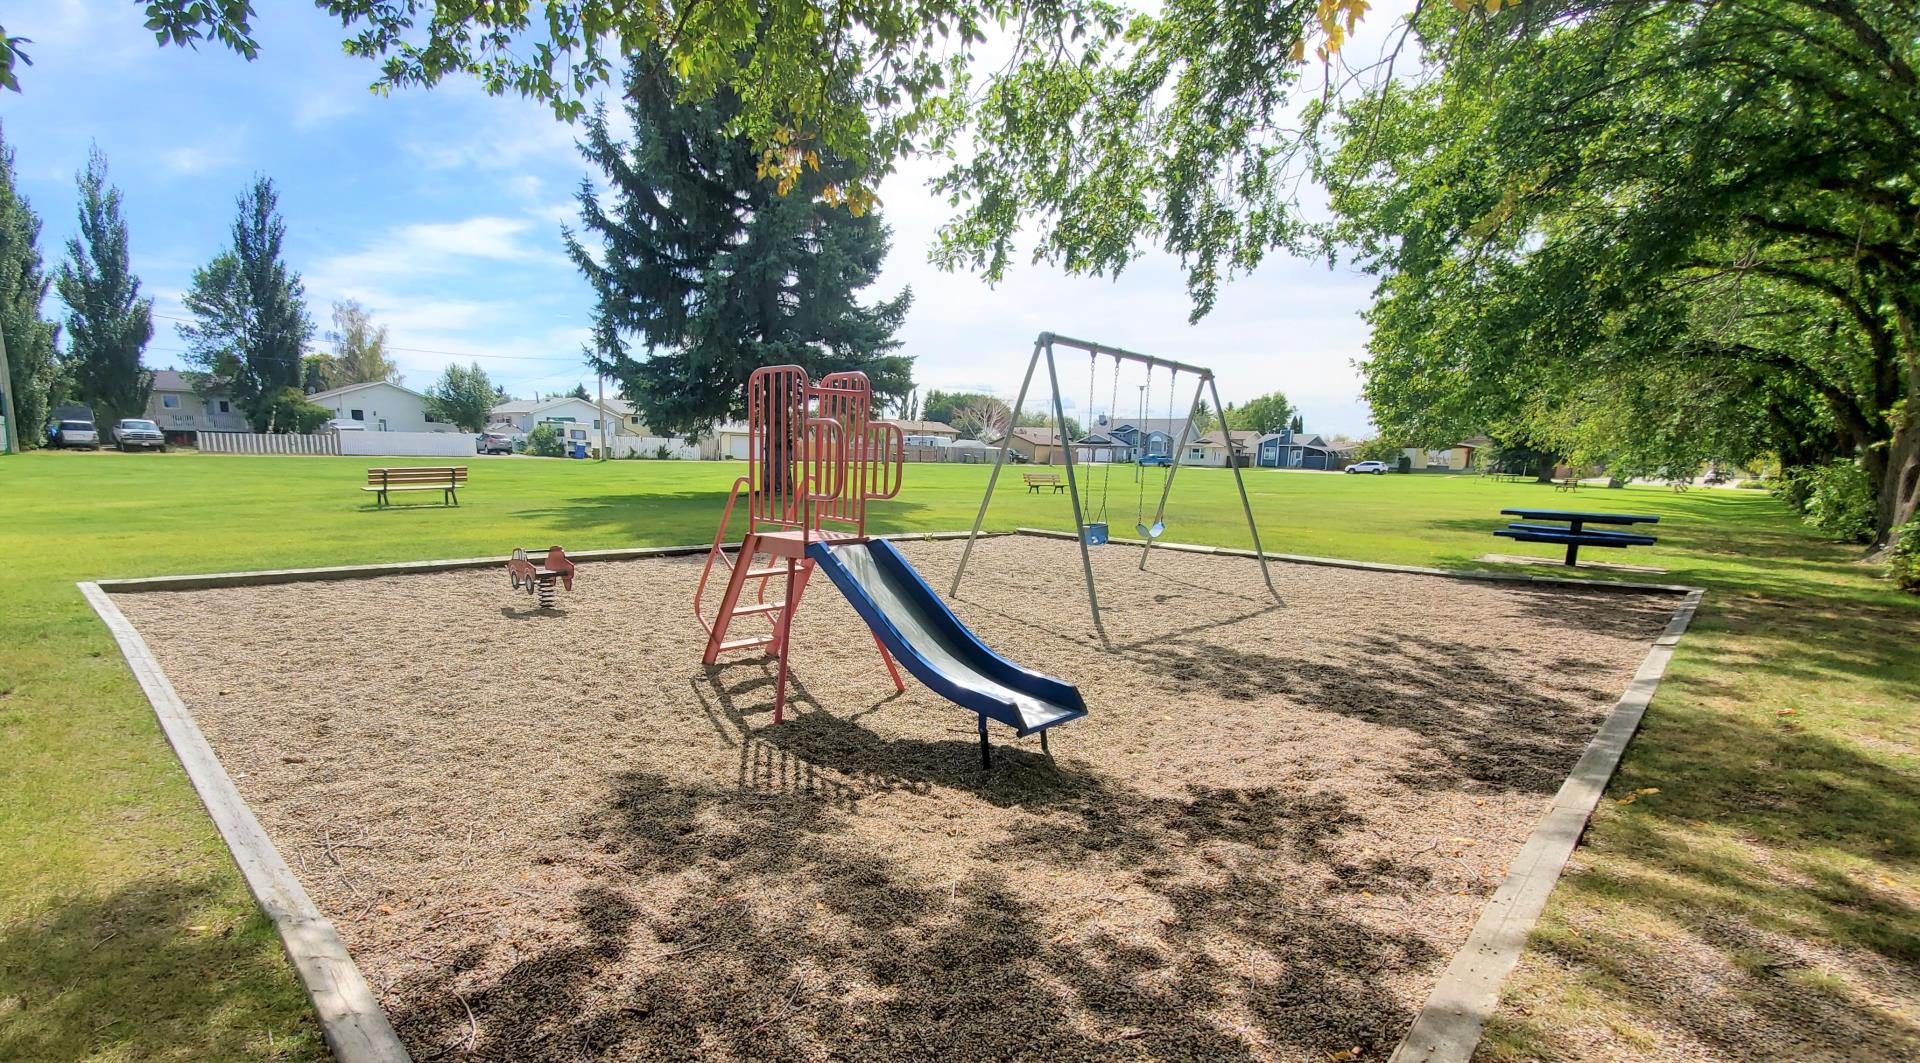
(1646, 791)
(1627, 800)
(1299, 50)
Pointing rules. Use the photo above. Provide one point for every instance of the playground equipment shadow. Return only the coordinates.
(572, 841)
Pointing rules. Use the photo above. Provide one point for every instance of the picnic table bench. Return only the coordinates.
(447, 479)
(1037, 480)
(1573, 531)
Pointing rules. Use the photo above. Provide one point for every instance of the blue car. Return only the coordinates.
(1155, 459)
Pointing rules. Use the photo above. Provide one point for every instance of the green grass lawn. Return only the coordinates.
(1783, 742)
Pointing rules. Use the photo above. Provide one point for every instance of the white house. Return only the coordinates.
(176, 407)
(1211, 449)
(524, 414)
(381, 407)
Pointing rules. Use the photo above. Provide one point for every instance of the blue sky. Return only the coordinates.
(441, 211)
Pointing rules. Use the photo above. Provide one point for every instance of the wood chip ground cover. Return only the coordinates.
(558, 836)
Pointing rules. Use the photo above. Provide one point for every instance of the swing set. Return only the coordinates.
(1092, 524)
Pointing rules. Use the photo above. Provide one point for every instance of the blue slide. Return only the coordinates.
(923, 634)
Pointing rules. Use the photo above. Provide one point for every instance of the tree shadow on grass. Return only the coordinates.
(794, 939)
(146, 972)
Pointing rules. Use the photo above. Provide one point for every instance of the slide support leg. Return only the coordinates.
(986, 751)
(1043, 746)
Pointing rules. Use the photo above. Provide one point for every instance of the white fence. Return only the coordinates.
(407, 444)
(649, 447)
(257, 443)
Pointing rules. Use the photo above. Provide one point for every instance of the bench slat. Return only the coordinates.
(1639, 538)
(1565, 539)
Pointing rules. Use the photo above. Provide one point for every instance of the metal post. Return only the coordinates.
(600, 381)
(1073, 493)
(986, 751)
(1241, 483)
(999, 458)
(1179, 444)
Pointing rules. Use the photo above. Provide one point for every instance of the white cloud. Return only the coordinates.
(193, 160)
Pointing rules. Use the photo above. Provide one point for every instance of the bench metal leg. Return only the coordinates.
(1573, 553)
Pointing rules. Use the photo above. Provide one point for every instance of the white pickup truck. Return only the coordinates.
(138, 433)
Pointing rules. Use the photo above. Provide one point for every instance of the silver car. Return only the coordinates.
(135, 433)
(1377, 468)
(70, 432)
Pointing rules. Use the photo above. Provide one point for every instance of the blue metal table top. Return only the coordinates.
(1584, 518)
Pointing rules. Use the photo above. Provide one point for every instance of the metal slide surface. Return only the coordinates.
(923, 634)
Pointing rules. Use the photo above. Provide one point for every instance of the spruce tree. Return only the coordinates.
(23, 289)
(108, 323)
(250, 312)
(706, 271)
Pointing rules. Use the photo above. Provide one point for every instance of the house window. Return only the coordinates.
(596, 424)
(225, 407)
(634, 421)
(1195, 454)
(358, 415)
(171, 402)
(431, 419)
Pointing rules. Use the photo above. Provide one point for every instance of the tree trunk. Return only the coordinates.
(1899, 487)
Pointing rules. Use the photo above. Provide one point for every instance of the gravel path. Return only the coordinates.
(558, 836)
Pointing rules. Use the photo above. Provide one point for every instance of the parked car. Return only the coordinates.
(342, 424)
(1378, 468)
(137, 433)
(71, 432)
(494, 443)
(1155, 459)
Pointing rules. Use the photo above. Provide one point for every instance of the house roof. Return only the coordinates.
(1045, 437)
(926, 428)
(615, 405)
(1303, 439)
(175, 380)
(1166, 426)
(1099, 439)
(1476, 442)
(351, 388)
(1241, 439)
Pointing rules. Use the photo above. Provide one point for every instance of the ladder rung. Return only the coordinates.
(763, 573)
(769, 607)
(745, 644)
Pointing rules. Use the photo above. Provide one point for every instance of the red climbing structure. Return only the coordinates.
(815, 458)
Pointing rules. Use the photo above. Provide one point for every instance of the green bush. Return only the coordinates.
(1906, 557)
(1839, 500)
(545, 442)
(1405, 464)
(289, 411)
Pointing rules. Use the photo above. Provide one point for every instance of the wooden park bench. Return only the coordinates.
(447, 479)
(1575, 534)
(1569, 483)
(1037, 480)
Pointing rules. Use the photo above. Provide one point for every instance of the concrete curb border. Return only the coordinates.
(355, 1028)
(1447, 1029)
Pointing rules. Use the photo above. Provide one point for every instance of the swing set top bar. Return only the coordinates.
(1052, 339)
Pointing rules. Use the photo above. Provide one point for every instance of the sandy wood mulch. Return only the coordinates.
(558, 836)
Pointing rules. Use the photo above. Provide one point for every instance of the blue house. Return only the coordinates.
(1149, 437)
(1286, 450)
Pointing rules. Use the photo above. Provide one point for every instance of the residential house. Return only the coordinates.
(1288, 450)
(1037, 445)
(1211, 449)
(1099, 447)
(1457, 458)
(574, 412)
(726, 442)
(1150, 436)
(179, 410)
(927, 433)
(381, 406)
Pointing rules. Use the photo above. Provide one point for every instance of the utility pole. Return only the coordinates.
(601, 383)
(8, 405)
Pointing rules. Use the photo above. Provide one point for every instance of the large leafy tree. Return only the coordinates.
(1652, 231)
(707, 266)
(1103, 126)
(359, 352)
(108, 322)
(250, 315)
(1265, 413)
(463, 397)
(23, 289)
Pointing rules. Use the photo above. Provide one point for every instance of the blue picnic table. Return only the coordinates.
(1572, 531)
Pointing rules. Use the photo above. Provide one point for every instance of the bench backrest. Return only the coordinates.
(1042, 477)
(418, 476)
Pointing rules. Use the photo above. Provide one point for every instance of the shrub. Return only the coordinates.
(1839, 500)
(1405, 464)
(289, 411)
(1906, 557)
(545, 442)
